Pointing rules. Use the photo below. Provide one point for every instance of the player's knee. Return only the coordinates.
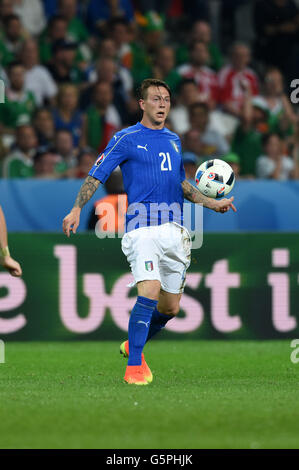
(149, 289)
(170, 309)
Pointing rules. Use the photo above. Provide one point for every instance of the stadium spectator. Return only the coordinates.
(234, 161)
(67, 115)
(12, 39)
(3, 75)
(179, 114)
(204, 76)
(98, 13)
(282, 116)
(275, 164)
(3, 151)
(65, 149)
(120, 79)
(191, 143)
(44, 126)
(160, 6)
(247, 139)
(212, 144)
(86, 159)
(164, 68)
(129, 48)
(119, 33)
(19, 162)
(107, 49)
(101, 120)
(19, 103)
(108, 70)
(190, 162)
(31, 14)
(201, 31)
(6, 9)
(37, 77)
(130, 53)
(62, 65)
(50, 8)
(277, 26)
(55, 31)
(45, 163)
(197, 9)
(234, 78)
(145, 51)
(76, 29)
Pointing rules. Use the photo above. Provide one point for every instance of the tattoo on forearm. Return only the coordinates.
(193, 194)
(87, 190)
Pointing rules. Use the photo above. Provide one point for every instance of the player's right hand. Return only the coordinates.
(71, 221)
(224, 205)
(12, 266)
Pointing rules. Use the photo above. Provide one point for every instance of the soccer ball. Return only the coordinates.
(215, 178)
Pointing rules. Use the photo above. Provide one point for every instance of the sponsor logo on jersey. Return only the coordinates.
(146, 323)
(149, 265)
(142, 147)
(175, 146)
(100, 159)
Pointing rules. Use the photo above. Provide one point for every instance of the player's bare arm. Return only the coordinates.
(11, 265)
(87, 190)
(194, 195)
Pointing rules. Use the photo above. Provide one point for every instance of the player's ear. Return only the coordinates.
(141, 104)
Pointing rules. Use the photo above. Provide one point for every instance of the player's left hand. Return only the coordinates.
(12, 266)
(224, 205)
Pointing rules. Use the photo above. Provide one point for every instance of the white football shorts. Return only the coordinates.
(161, 252)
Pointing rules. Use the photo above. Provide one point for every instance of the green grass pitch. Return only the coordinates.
(205, 394)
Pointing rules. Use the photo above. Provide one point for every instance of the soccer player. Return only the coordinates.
(6, 260)
(157, 246)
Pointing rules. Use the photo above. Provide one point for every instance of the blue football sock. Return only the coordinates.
(158, 322)
(139, 323)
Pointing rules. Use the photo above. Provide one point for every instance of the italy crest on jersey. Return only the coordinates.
(176, 148)
(149, 266)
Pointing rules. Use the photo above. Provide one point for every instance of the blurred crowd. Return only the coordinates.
(72, 71)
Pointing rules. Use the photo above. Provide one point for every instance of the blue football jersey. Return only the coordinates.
(152, 170)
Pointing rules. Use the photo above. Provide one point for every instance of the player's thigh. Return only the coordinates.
(143, 254)
(169, 303)
(175, 261)
(149, 289)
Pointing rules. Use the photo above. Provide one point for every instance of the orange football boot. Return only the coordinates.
(124, 350)
(134, 375)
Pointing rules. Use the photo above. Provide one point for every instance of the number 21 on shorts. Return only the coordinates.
(165, 166)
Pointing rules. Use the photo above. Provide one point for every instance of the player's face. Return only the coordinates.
(156, 105)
